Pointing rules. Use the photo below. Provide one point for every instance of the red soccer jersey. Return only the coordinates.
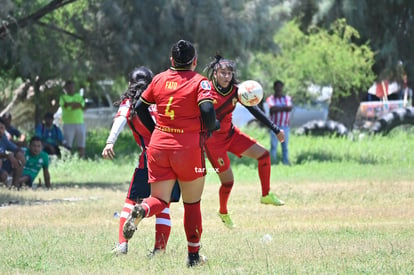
(224, 106)
(142, 135)
(177, 94)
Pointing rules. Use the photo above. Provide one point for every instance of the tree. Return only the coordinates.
(322, 57)
(388, 25)
(96, 39)
(33, 47)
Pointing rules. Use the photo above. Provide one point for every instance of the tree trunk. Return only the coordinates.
(344, 108)
(37, 103)
(17, 94)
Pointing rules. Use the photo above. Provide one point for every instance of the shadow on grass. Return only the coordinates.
(19, 198)
(10, 199)
(92, 185)
(313, 156)
(310, 156)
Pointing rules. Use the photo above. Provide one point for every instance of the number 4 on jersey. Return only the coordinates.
(168, 111)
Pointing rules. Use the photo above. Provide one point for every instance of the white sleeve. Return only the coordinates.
(117, 127)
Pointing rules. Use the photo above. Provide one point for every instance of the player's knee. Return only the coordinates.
(264, 156)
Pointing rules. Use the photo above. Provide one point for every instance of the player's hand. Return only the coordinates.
(281, 136)
(108, 151)
(216, 128)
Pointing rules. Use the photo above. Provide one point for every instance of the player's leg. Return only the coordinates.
(191, 180)
(258, 152)
(193, 226)
(163, 223)
(160, 197)
(138, 189)
(243, 145)
(162, 229)
(122, 245)
(220, 161)
(227, 182)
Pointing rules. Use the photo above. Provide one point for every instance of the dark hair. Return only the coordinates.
(183, 53)
(139, 79)
(67, 83)
(2, 121)
(7, 115)
(48, 115)
(278, 82)
(35, 138)
(221, 63)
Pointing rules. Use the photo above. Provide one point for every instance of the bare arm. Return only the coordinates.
(46, 177)
(276, 109)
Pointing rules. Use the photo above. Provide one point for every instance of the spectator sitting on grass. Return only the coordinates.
(51, 135)
(36, 159)
(12, 158)
(12, 132)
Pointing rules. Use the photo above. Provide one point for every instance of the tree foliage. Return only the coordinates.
(388, 25)
(322, 57)
(108, 38)
(43, 40)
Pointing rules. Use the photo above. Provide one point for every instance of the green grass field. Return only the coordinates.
(349, 210)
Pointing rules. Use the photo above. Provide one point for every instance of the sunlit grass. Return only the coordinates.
(349, 210)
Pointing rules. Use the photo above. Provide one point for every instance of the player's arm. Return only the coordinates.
(118, 125)
(257, 113)
(208, 115)
(141, 108)
(276, 109)
(46, 176)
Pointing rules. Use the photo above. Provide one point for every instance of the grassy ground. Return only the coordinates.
(349, 210)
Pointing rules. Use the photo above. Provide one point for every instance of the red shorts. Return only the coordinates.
(184, 164)
(218, 145)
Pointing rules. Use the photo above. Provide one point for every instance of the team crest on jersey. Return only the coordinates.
(205, 85)
(220, 161)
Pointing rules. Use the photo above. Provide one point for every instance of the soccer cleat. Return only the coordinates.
(194, 259)
(133, 219)
(120, 248)
(226, 219)
(271, 199)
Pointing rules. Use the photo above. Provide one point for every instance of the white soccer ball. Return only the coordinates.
(250, 93)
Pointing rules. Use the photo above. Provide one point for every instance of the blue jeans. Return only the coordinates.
(274, 143)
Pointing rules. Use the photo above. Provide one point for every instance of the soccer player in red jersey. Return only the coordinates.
(229, 138)
(139, 78)
(185, 112)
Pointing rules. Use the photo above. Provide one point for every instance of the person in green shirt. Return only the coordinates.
(36, 159)
(74, 129)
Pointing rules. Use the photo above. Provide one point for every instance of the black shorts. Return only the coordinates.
(140, 188)
(7, 166)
